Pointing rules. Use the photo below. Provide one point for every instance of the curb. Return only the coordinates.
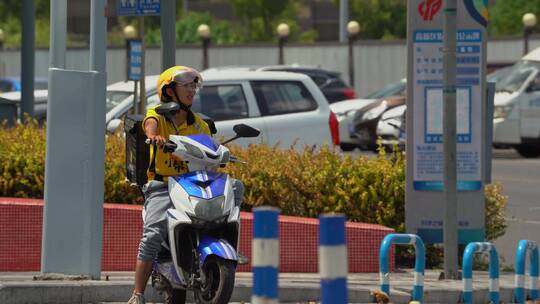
(106, 291)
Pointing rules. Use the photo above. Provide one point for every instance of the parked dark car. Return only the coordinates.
(40, 104)
(330, 82)
(13, 84)
(364, 129)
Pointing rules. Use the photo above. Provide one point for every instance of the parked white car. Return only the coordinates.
(391, 128)
(346, 111)
(516, 117)
(288, 108)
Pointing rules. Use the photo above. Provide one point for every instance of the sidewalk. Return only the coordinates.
(20, 287)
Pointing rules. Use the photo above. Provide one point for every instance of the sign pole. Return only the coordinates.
(444, 197)
(449, 140)
(143, 8)
(142, 95)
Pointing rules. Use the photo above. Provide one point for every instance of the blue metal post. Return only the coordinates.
(493, 271)
(420, 262)
(333, 259)
(521, 253)
(265, 255)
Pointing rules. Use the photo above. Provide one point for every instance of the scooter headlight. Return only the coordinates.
(194, 151)
(208, 210)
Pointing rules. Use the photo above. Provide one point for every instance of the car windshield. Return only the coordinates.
(393, 89)
(114, 98)
(516, 76)
(498, 74)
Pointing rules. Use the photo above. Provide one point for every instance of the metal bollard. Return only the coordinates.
(420, 262)
(493, 271)
(265, 255)
(521, 254)
(333, 259)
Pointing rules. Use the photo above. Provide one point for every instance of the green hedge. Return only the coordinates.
(307, 183)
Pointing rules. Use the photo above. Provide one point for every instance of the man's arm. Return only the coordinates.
(152, 132)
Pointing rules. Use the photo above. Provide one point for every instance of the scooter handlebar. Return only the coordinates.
(168, 147)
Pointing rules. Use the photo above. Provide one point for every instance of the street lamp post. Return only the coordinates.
(130, 33)
(529, 22)
(353, 28)
(204, 33)
(283, 31)
(2, 52)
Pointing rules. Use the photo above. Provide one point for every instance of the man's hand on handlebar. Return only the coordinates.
(157, 139)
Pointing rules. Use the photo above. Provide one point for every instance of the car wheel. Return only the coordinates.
(347, 147)
(528, 151)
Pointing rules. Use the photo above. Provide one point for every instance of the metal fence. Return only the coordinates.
(376, 62)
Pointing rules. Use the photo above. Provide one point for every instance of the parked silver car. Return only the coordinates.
(288, 108)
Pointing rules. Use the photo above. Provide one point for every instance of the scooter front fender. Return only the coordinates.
(219, 247)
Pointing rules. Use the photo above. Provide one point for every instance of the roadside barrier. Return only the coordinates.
(265, 255)
(420, 262)
(333, 259)
(468, 255)
(521, 254)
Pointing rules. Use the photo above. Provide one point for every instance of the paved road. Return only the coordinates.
(520, 178)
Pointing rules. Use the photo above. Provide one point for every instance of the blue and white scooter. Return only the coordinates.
(204, 223)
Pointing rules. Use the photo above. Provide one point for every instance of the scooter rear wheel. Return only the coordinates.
(219, 287)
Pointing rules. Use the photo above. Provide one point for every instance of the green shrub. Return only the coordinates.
(312, 182)
(22, 165)
(306, 183)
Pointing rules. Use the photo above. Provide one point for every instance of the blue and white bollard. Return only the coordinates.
(419, 265)
(521, 254)
(265, 253)
(468, 255)
(333, 259)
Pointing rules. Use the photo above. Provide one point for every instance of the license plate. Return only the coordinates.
(363, 134)
(351, 129)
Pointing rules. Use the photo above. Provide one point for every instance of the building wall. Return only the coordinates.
(376, 63)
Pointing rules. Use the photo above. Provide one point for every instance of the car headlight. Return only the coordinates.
(502, 111)
(374, 113)
(194, 151)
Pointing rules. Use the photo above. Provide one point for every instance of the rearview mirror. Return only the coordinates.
(243, 130)
(167, 109)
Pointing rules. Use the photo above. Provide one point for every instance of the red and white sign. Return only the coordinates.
(429, 8)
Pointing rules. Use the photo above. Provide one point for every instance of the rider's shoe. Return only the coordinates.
(136, 298)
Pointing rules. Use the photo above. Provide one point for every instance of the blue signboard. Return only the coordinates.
(138, 7)
(135, 60)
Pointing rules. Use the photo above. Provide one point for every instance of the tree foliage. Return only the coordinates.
(258, 19)
(261, 16)
(380, 19)
(505, 16)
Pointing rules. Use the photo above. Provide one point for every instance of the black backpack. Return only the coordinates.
(138, 152)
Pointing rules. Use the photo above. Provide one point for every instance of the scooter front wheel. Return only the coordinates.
(175, 296)
(218, 289)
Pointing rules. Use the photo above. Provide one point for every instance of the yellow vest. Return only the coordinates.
(165, 164)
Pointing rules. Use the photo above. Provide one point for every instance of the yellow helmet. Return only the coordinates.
(177, 74)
